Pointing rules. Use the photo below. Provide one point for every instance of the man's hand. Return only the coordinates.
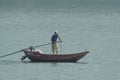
(60, 41)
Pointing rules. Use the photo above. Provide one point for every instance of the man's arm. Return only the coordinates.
(59, 38)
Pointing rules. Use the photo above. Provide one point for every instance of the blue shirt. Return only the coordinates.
(54, 38)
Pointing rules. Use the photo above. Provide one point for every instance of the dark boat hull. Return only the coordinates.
(35, 57)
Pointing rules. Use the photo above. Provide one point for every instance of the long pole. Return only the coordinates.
(25, 48)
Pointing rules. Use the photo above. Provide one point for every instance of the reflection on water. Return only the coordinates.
(8, 62)
(54, 64)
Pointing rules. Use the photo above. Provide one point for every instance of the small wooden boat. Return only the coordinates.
(36, 57)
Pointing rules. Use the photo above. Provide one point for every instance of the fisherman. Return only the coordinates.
(54, 46)
(31, 48)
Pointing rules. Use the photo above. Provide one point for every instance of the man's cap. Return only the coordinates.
(56, 31)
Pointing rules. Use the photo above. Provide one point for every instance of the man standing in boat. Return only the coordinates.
(54, 38)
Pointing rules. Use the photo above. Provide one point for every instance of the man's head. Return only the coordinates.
(56, 32)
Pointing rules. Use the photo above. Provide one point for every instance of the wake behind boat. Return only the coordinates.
(36, 56)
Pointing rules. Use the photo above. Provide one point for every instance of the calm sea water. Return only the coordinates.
(82, 25)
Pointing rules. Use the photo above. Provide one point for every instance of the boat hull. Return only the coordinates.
(35, 57)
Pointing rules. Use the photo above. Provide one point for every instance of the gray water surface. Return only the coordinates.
(82, 25)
